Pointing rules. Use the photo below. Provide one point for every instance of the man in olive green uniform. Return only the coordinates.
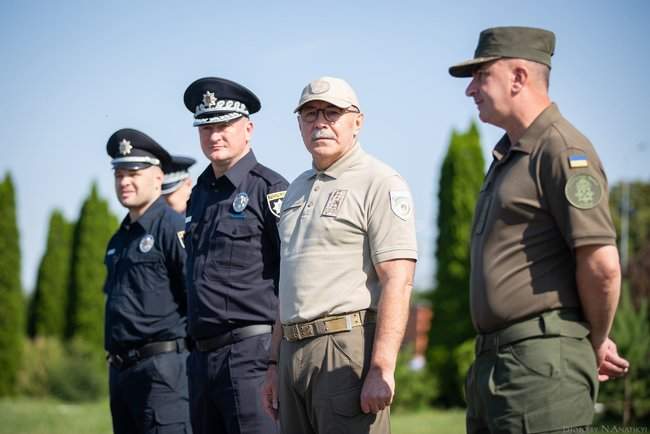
(545, 276)
(347, 258)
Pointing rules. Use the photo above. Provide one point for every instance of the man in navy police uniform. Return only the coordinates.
(145, 326)
(177, 183)
(232, 264)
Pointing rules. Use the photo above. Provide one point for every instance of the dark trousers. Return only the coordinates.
(151, 396)
(225, 388)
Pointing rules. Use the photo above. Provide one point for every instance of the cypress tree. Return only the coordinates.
(461, 177)
(48, 307)
(11, 304)
(94, 228)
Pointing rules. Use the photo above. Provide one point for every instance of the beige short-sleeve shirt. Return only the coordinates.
(541, 199)
(335, 225)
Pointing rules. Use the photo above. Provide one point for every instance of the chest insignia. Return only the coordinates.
(400, 204)
(274, 200)
(334, 203)
(146, 243)
(181, 237)
(240, 202)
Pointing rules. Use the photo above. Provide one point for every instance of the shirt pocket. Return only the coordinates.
(482, 211)
(235, 244)
(146, 273)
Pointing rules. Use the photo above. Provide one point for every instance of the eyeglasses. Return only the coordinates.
(331, 114)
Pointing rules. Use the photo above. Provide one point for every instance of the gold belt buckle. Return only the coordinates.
(340, 324)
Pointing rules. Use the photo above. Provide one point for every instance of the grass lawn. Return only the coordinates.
(31, 416)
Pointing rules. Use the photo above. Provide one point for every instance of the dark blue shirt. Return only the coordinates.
(145, 293)
(233, 248)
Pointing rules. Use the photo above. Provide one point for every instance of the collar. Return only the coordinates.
(530, 140)
(235, 174)
(342, 164)
(147, 219)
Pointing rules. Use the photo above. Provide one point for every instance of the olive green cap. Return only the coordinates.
(526, 43)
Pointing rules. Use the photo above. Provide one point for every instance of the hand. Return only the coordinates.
(610, 364)
(270, 392)
(377, 391)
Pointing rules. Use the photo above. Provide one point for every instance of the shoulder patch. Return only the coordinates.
(181, 237)
(400, 204)
(577, 161)
(274, 200)
(583, 191)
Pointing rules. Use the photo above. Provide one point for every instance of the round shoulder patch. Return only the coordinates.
(583, 191)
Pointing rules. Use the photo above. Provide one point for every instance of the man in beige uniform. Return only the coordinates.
(348, 253)
(545, 276)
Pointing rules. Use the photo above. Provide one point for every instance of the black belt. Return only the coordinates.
(230, 337)
(562, 322)
(131, 357)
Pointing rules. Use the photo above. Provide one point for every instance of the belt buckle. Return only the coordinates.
(335, 325)
(304, 330)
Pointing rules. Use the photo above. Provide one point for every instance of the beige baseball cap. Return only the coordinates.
(335, 91)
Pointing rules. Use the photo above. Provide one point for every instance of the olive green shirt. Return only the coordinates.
(541, 198)
(335, 225)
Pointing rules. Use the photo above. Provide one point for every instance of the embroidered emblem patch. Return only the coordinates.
(181, 237)
(583, 191)
(576, 161)
(274, 200)
(146, 243)
(240, 202)
(125, 147)
(400, 204)
(333, 203)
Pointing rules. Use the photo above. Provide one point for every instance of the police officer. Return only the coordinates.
(145, 297)
(347, 262)
(233, 262)
(545, 275)
(177, 183)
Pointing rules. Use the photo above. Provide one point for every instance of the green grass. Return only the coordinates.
(33, 416)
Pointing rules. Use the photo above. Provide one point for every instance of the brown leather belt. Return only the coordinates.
(327, 325)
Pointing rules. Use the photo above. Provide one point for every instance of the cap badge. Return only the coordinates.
(125, 147)
(146, 243)
(209, 100)
(319, 86)
(240, 202)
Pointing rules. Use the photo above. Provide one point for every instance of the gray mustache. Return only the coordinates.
(322, 134)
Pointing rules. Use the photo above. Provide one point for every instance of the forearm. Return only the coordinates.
(599, 282)
(392, 316)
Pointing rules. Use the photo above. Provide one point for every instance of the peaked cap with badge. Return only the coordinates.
(537, 45)
(215, 100)
(176, 171)
(134, 150)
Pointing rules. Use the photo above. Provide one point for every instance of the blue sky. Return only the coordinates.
(73, 72)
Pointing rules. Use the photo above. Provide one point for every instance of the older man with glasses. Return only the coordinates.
(348, 254)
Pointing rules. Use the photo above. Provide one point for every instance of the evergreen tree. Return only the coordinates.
(460, 182)
(11, 305)
(48, 306)
(94, 228)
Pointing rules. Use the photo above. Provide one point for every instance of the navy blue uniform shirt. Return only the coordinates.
(145, 292)
(233, 248)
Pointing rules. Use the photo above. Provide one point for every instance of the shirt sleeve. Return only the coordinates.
(272, 206)
(391, 220)
(574, 186)
(175, 257)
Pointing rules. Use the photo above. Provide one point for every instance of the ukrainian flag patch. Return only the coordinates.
(576, 161)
